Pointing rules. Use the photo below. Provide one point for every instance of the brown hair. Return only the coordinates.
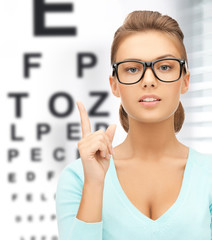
(142, 21)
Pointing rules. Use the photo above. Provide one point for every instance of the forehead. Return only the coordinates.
(148, 45)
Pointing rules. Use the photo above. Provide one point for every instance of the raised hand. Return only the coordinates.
(95, 148)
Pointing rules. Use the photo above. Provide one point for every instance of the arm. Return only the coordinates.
(78, 208)
(210, 207)
(90, 209)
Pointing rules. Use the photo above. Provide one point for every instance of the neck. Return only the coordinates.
(151, 140)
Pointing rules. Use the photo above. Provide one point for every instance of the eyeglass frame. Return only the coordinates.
(150, 64)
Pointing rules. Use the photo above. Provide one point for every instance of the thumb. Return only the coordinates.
(110, 131)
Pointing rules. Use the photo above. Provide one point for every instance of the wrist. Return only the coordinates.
(93, 184)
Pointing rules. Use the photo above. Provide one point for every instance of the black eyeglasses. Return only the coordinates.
(165, 70)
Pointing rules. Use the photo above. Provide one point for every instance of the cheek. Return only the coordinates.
(129, 97)
(172, 96)
(127, 94)
(173, 91)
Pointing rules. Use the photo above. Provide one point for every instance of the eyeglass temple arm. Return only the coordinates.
(113, 72)
(186, 66)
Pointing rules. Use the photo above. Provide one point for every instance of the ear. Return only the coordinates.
(113, 85)
(185, 82)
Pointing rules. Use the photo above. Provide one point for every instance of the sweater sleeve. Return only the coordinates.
(211, 219)
(68, 197)
(209, 169)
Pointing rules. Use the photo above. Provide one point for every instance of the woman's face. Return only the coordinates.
(148, 46)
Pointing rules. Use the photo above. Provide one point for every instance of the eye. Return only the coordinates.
(133, 69)
(164, 67)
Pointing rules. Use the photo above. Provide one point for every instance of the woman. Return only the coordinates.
(153, 186)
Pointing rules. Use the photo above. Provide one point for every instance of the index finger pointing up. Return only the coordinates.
(85, 122)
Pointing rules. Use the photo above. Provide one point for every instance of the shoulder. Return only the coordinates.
(75, 166)
(203, 160)
(72, 174)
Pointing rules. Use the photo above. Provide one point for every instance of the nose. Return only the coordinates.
(149, 78)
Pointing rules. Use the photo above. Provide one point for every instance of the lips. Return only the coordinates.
(149, 96)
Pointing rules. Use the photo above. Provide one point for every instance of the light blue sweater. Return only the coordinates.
(189, 218)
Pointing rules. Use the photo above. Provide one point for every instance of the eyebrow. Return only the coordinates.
(163, 56)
